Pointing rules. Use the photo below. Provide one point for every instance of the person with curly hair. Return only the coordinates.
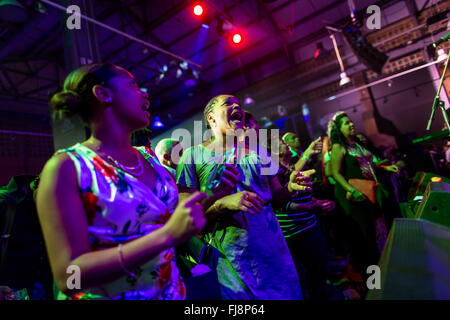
(365, 222)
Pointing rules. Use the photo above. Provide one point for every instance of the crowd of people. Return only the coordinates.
(140, 224)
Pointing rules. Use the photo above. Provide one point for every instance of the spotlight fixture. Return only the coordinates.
(157, 124)
(369, 56)
(319, 50)
(224, 26)
(248, 100)
(198, 10)
(305, 110)
(191, 78)
(237, 38)
(163, 72)
(182, 66)
(442, 56)
(206, 21)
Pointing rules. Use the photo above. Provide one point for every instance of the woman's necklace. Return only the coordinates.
(368, 162)
(128, 169)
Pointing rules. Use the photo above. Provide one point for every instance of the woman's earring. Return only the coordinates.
(108, 100)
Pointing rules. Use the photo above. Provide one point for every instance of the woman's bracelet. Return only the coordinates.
(122, 265)
(305, 157)
(216, 210)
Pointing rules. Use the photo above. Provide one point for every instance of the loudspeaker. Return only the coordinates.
(420, 183)
(415, 263)
(409, 209)
(435, 205)
(370, 56)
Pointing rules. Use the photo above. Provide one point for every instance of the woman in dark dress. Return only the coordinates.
(365, 223)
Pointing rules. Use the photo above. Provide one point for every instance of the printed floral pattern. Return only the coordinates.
(162, 219)
(90, 205)
(116, 176)
(120, 208)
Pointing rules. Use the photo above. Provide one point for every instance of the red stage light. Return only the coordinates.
(198, 10)
(237, 38)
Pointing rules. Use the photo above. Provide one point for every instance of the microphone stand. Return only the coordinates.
(439, 102)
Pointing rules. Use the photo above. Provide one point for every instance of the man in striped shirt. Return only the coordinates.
(301, 228)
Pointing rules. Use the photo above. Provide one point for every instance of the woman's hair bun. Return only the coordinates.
(66, 103)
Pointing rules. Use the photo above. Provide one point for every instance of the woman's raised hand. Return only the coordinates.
(314, 147)
(187, 219)
(242, 201)
(300, 180)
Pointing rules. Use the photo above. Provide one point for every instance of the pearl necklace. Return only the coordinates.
(127, 169)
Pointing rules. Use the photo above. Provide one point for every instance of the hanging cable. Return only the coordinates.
(126, 35)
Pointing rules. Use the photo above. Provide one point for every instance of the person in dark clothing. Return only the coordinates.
(365, 222)
(24, 262)
(302, 232)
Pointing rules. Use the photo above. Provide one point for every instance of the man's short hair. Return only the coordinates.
(287, 134)
(164, 147)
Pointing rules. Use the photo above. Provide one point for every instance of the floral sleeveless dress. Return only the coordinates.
(121, 208)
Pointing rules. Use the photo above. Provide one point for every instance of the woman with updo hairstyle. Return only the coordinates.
(109, 212)
(365, 223)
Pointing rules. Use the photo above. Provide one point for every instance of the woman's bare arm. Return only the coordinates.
(65, 229)
(337, 158)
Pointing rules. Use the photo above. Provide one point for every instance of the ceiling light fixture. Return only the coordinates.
(442, 56)
(344, 78)
(157, 124)
(198, 10)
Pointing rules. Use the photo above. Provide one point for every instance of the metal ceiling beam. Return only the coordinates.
(185, 35)
(36, 74)
(312, 37)
(21, 35)
(149, 27)
(43, 43)
(30, 92)
(11, 83)
(305, 40)
(328, 7)
(283, 5)
(146, 31)
(275, 29)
